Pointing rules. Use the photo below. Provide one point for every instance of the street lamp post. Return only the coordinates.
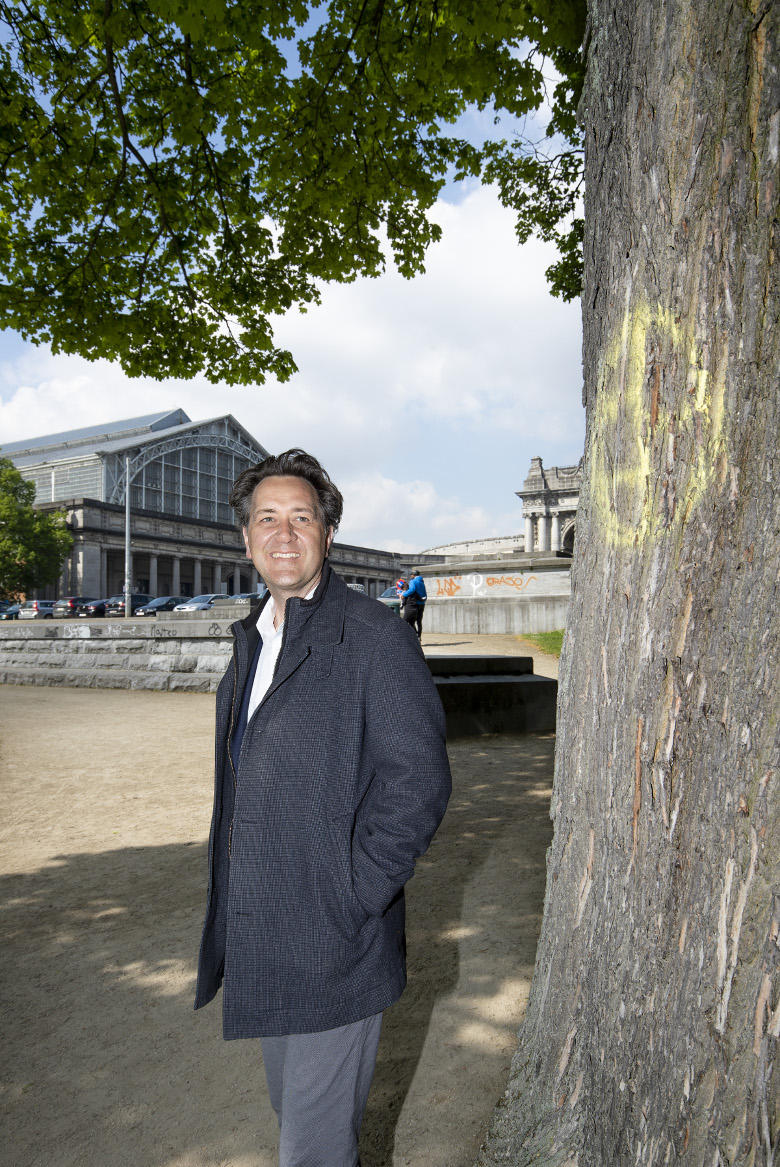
(128, 559)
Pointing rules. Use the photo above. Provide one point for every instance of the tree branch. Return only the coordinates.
(130, 147)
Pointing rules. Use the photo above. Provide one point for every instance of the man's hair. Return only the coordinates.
(298, 464)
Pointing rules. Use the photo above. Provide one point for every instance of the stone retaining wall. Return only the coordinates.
(475, 614)
(521, 594)
(480, 694)
(116, 654)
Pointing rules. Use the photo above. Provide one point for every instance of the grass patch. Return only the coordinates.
(550, 642)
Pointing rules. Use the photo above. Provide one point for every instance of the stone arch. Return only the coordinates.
(567, 536)
(150, 451)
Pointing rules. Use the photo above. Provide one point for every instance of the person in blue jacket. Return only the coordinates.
(331, 779)
(413, 600)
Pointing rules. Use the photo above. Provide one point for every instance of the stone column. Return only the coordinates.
(196, 578)
(236, 579)
(544, 533)
(88, 580)
(153, 575)
(255, 579)
(103, 588)
(529, 533)
(555, 538)
(176, 580)
(217, 584)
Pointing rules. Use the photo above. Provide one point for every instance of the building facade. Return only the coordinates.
(495, 545)
(184, 540)
(550, 499)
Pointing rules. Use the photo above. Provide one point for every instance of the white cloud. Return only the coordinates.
(424, 398)
(476, 338)
(414, 515)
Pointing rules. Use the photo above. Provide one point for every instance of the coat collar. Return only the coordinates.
(319, 620)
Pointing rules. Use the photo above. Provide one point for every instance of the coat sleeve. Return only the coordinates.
(407, 797)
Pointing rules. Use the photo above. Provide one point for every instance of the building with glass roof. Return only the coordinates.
(183, 532)
(177, 466)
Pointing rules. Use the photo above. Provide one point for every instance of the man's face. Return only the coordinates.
(285, 538)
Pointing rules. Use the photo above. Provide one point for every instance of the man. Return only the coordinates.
(331, 778)
(413, 600)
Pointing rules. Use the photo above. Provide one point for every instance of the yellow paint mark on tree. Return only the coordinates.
(651, 467)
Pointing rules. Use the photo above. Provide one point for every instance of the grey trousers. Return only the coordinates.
(319, 1084)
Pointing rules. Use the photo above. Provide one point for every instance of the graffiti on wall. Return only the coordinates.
(447, 587)
(518, 582)
(478, 585)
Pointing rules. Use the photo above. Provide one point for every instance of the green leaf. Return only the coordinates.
(171, 177)
(33, 544)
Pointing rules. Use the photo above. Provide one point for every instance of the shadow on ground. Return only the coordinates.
(470, 926)
(105, 1062)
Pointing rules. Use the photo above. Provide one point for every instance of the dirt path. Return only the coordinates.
(106, 799)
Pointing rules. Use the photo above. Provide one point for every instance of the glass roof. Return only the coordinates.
(98, 434)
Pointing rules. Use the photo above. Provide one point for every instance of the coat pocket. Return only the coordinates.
(349, 907)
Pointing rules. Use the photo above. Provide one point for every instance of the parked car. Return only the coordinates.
(9, 610)
(201, 603)
(116, 605)
(258, 595)
(94, 608)
(36, 610)
(161, 604)
(390, 598)
(69, 605)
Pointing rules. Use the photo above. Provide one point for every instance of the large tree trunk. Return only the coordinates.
(652, 1028)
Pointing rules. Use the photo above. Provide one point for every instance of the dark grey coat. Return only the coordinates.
(342, 780)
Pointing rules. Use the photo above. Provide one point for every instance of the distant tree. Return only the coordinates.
(174, 175)
(33, 544)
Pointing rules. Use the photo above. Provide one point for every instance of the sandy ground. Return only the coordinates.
(107, 798)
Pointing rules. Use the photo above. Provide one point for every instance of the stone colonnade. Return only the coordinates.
(175, 574)
(550, 500)
(158, 573)
(173, 556)
(547, 536)
(221, 576)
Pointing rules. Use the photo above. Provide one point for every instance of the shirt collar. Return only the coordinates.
(265, 621)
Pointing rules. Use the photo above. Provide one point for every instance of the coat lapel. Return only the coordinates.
(315, 627)
(290, 660)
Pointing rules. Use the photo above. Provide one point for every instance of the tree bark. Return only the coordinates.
(652, 1028)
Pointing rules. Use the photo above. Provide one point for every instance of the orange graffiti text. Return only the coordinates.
(511, 581)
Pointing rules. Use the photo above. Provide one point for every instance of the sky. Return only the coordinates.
(425, 399)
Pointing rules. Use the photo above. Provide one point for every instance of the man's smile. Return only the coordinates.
(286, 538)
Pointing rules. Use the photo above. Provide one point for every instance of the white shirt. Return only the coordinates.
(269, 653)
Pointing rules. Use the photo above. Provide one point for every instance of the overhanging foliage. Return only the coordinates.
(174, 174)
(33, 544)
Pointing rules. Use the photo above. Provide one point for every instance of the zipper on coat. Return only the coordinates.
(232, 719)
(266, 695)
(229, 751)
(231, 728)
